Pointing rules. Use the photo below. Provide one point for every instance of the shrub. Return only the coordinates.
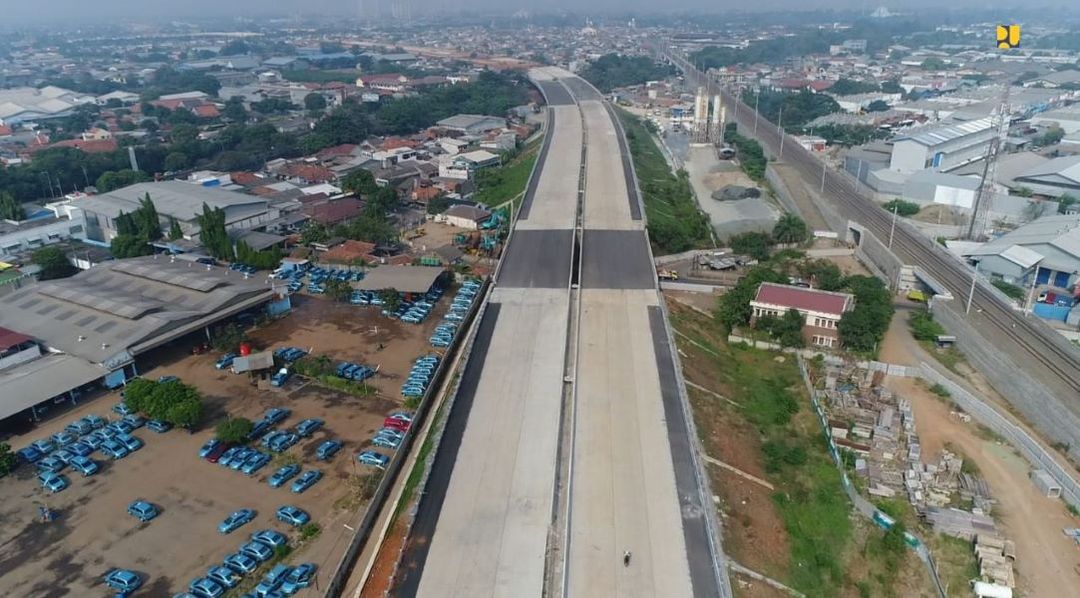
(309, 531)
(923, 326)
(234, 429)
(902, 208)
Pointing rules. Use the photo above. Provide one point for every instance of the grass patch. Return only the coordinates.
(497, 186)
(1012, 291)
(940, 391)
(675, 221)
(320, 370)
(419, 465)
(309, 531)
(361, 488)
(809, 495)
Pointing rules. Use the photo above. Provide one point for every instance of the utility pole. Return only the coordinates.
(757, 96)
(781, 156)
(892, 227)
(971, 293)
(780, 120)
(823, 165)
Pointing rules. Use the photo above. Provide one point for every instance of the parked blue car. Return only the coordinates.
(225, 361)
(293, 516)
(299, 578)
(142, 510)
(283, 475)
(305, 481)
(308, 427)
(328, 449)
(84, 465)
(272, 580)
(123, 581)
(235, 520)
(241, 563)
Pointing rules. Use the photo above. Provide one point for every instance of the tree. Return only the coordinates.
(786, 329)
(313, 232)
(177, 161)
(1065, 202)
(891, 86)
(734, 308)
(112, 180)
(614, 70)
(147, 220)
(359, 181)
(315, 102)
(174, 402)
(862, 328)
(877, 106)
(213, 235)
(790, 229)
(1052, 136)
(754, 244)
(234, 429)
(125, 246)
(227, 338)
(10, 208)
(391, 299)
(8, 459)
(901, 207)
(175, 232)
(338, 290)
(1022, 191)
(933, 63)
(234, 110)
(845, 87)
(822, 274)
(54, 264)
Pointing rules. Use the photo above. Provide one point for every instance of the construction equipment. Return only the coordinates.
(980, 212)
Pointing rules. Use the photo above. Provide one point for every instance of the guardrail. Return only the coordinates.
(362, 531)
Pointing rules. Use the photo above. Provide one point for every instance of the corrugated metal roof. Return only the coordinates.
(30, 383)
(1022, 256)
(803, 299)
(936, 134)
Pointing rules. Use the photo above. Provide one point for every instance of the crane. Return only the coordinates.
(980, 212)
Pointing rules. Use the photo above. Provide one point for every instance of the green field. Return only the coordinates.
(675, 223)
(497, 186)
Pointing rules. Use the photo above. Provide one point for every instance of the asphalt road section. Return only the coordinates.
(581, 89)
(431, 503)
(627, 165)
(616, 259)
(695, 527)
(555, 93)
(491, 536)
(538, 259)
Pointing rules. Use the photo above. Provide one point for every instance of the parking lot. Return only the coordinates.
(93, 533)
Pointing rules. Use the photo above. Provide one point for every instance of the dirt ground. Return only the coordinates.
(378, 583)
(436, 234)
(703, 301)
(940, 214)
(1045, 557)
(94, 533)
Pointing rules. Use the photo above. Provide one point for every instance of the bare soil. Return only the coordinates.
(378, 582)
(1045, 558)
(94, 533)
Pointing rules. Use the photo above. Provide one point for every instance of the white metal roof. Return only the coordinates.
(936, 135)
(1022, 256)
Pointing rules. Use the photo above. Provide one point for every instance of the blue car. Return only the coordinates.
(135, 421)
(270, 537)
(257, 550)
(374, 459)
(158, 426)
(283, 475)
(114, 449)
(131, 443)
(272, 580)
(235, 520)
(30, 454)
(308, 427)
(51, 463)
(206, 588)
(64, 455)
(327, 450)
(93, 440)
(142, 510)
(385, 441)
(276, 415)
(85, 466)
(123, 581)
(293, 516)
(64, 438)
(122, 408)
(224, 576)
(53, 482)
(299, 578)
(225, 361)
(241, 563)
(80, 449)
(44, 446)
(255, 463)
(95, 421)
(305, 481)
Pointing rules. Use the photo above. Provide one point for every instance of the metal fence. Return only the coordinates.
(363, 530)
(1013, 434)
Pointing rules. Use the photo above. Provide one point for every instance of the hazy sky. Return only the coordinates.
(98, 10)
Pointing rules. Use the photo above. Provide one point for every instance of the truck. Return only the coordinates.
(668, 275)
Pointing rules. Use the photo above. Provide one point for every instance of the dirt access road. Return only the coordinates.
(1045, 557)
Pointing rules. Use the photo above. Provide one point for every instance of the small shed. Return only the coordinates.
(253, 362)
(1046, 483)
(406, 279)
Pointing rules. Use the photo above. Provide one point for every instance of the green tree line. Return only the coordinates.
(616, 70)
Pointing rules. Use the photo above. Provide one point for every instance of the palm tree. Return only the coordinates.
(790, 229)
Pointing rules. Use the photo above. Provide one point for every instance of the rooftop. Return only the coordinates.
(1059, 232)
(938, 134)
(183, 201)
(804, 299)
(406, 279)
(123, 307)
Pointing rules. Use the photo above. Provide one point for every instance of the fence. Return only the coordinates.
(865, 507)
(1013, 434)
(363, 530)
(1038, 405)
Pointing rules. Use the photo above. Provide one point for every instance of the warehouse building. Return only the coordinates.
(1044, 252)
(942, 147)
(66, 337)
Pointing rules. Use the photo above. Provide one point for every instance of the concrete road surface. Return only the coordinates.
(492, 532)
(607, 200)
(554, 204)
(623, 492)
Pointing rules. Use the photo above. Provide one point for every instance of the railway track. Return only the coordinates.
(912, 247)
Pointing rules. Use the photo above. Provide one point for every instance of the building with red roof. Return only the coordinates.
(821, 310)
(90, 146)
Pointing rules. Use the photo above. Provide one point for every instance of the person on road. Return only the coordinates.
(626, 559)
